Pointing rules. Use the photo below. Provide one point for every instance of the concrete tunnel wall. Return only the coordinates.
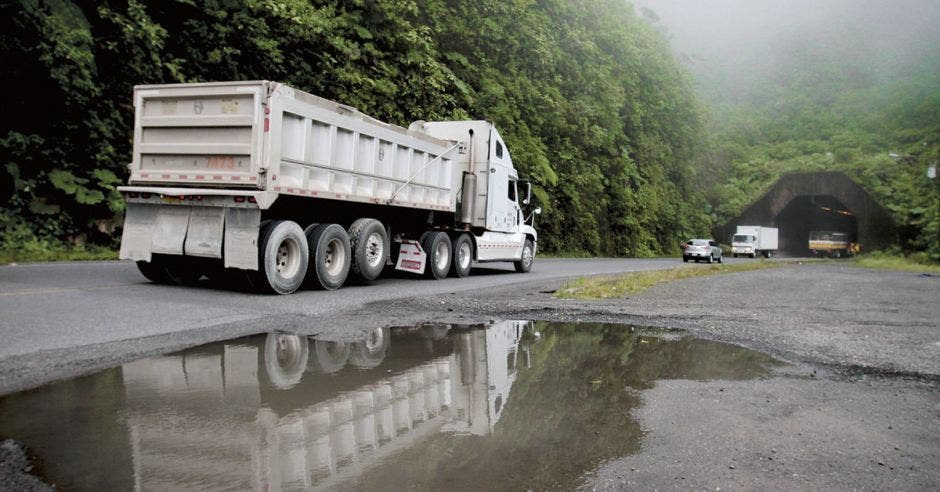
(876, 227)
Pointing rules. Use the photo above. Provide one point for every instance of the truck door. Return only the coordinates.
(502, 204)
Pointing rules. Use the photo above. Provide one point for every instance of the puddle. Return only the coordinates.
(514, 405)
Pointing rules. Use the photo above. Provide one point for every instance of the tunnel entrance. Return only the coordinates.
(799, 203)
(807, 213)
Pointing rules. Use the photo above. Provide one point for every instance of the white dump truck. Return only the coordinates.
(290, 188)
(754, 241)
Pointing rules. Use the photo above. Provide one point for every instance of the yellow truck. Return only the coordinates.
(832, 244)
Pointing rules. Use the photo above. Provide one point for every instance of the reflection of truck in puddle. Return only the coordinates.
(832, 244)
(280, 414)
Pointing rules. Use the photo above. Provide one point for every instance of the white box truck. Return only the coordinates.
(290, 188)
(754, 241)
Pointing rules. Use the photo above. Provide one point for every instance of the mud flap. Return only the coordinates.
(169, 230)
(204, 235)
(411, 258)
(241, 238)
(138, 232)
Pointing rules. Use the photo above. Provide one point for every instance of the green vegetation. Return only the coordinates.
(594, 108)
(597, 111)
(833, 101)
(19, 244)
(886, 261)
(604, 287)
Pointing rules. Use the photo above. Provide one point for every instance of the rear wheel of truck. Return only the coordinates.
(285, 359)
(528, 256)
(369, 244)
(370, 352)
(330, 256)
(283, 256)
(463, 256)
(437, 246)
(172, 270)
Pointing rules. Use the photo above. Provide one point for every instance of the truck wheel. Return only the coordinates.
(751, 255)
(328, 357)
(528, 256)
(369, 243)
(370, 352)
(285, 359)
(463, 256)
(437, 246)
(153, 271)
(171, 270)
(329, 256)
(283, 256)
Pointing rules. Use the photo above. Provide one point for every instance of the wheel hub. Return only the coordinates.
(375, 249)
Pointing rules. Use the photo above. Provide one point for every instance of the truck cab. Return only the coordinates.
(492, 195)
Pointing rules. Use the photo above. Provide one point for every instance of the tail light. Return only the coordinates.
(239, 199)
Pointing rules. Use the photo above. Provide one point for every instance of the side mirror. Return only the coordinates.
(527, 191)
(538, 211)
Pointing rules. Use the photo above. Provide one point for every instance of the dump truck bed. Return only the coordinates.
(266, 136)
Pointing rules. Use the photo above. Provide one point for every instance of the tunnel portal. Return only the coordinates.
(799, 203)
(808, 213)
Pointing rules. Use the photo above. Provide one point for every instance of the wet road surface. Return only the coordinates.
(513, 405)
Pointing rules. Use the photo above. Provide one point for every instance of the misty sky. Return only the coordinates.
(723, 41)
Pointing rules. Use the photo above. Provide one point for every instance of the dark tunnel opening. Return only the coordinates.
(808, 213)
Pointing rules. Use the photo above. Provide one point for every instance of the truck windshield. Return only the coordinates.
(742, 238)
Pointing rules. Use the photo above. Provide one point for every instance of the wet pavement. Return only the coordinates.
(511, 405)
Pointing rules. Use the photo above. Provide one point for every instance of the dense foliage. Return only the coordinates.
(827, 104)
(593, 107)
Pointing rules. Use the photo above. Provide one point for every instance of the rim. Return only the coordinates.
(527, 255)
(288, 258)
(441, 255)
(334, 257)
(287, 351)
(463, 255)
(375, 340)
(375, 249)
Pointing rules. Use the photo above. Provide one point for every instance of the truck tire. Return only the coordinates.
(369, 244)
(153, 271)
(437, 246)
(370, 352)
(285, 359)
(328, 357)
(170, 270)
(330, 256)
(283, 256)
(528, 256)
(462, 255)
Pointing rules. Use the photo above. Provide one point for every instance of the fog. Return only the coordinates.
(734, 46)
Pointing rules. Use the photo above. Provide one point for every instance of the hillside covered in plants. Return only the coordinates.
(595, 109)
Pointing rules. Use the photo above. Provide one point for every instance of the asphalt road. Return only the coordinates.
(54, 306)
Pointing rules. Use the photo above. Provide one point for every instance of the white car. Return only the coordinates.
(701, 249)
